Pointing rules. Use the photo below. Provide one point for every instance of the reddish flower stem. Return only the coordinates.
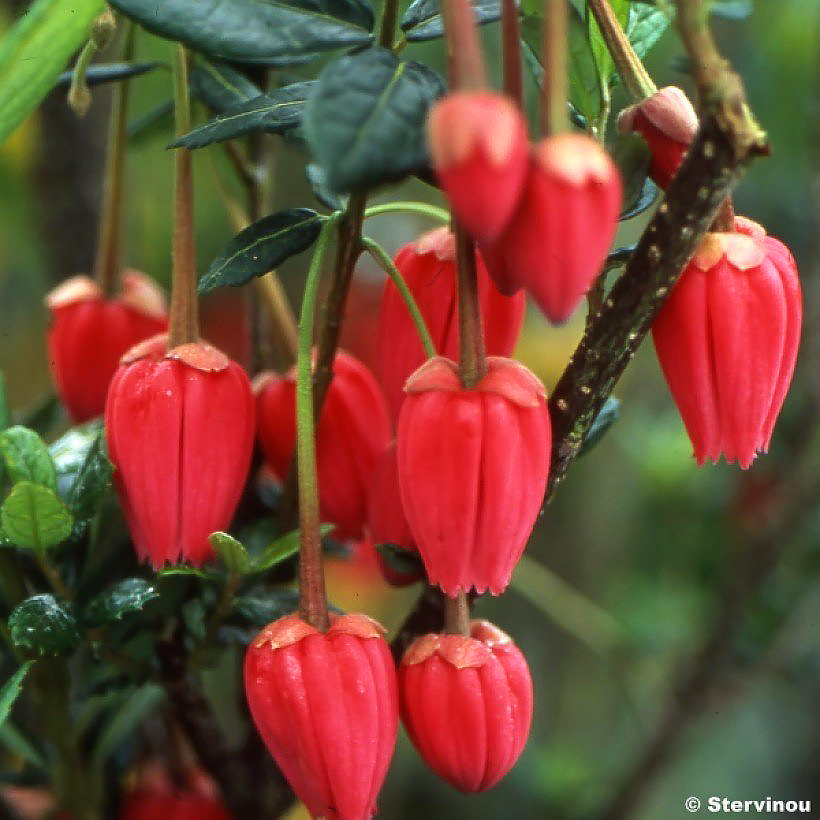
(552, 114)
(184, 319)
(472, 355)
(465, 59)
(457, 614)
(107, 259)
(511, 51)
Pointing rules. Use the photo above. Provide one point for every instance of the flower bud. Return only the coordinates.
(90, 333)
(563, 228)
(479, 146)
(668, 123)
(428, 266)
(180, 426)
(353, 431)
(472, 469)
(727, 341)
(326, 706)
(386, 521)
(156, 796)
(466, 703)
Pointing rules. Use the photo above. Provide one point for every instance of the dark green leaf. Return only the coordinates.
(607, 416)
(645, 199)
(273, 113)
(618, 258)
(169, 572)
(255, 31)
(11, 690)
(70, 452)
(34, 518)
(261, 247)
(159, 119)
(631, 155)
(126, 720)
(600, 52)
(35, 51)
(279, 550)
(401, 561)
(422, 20)
(645, 27)
(91, 482)
(43, 625)
(258, 611)
(365, 122)
(220, 86)
(5, 410)
(317, 180)
(732, 9)
(107, 73)
(26, 457)
(14, 740)
(123, 598)
(531, 61)
(233, 554)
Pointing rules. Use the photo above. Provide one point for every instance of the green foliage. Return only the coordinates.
(35, 51)
(631, 155)
(255, 31)
(101, 73)
(11, 689)
(43, 625)
(91, 481)
(34, 518)
(261, 247)
(5, 410)
(232, 552)
(603, 61)
(423, 21)
(274, 113)
(607, 416)
(122, 598)
(645, 27)
(220, 86)
(27, 457)
(400, 560)
(365, 121)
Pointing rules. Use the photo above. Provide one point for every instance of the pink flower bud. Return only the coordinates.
(727, 341)
(90, 333)
(353, 431)
(179, 425)
(428, 266)
(326, 706)
(472, 468)
(668, 123)
(563, 228)
(466, 703)
(478, 144)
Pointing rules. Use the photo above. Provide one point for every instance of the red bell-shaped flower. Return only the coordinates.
(564, 225)
(326, 705)
(479, 148)
(428, 266)
(668, 122)
(90, 333)
(157, 797)
(466, 703)
(180, 427)
(727, 342)
(386, 521)
(353, 431)
(473, 468)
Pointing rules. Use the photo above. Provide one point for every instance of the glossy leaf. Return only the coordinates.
(279, 550)
(261, 247)
(607, 416)
(631, 155)
(220, 86)
(43, 625)
(233, 554)
(318, 182)
(255, 31)
(33, 517)
(258, 611)
(70, 452)
(91, 482)
(618, 258)
(101, 73)
(365, 121)
(123, 598)
(26, 457)
(422, 20)
(35, 51)
(11, 689)
(273, 113)
(645, 27)
(645, 199)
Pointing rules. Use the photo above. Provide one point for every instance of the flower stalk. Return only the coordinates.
(553, 117)
(472, 355)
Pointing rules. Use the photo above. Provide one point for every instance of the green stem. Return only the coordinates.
(386, 264)
(472, 355)
(465, 59)
(107, 261)
(387, 28)
(553, 115)
(634, 76)
(312, 599)
(79, 97)
(184, 321)
(421, 208)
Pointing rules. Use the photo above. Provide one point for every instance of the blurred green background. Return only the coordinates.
(687, 659)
